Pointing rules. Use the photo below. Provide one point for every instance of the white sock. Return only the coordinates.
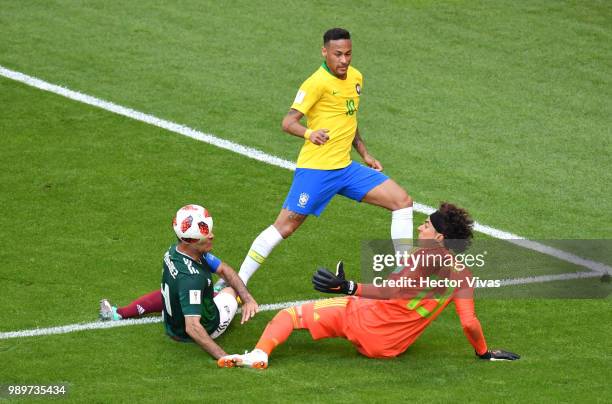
(401, 229)
(260, 249)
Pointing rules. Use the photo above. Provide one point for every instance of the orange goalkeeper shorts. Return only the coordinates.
(325, 318)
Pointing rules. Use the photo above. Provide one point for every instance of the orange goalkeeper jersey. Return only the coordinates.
(386, 328)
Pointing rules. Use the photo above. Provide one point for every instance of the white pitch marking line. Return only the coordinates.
(97, 325)
(274, 160)
(549, 278)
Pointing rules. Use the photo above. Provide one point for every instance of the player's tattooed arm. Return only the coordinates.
(358, 143)
(360, 147)
(291, 124)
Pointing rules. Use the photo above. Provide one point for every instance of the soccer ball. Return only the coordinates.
(192, 223)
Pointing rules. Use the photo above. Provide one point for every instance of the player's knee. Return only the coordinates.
(285, 229)
(402, 200)
(229, 291)
(287, 226)
(285, 316)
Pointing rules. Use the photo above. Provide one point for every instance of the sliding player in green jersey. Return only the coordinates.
(189, 309)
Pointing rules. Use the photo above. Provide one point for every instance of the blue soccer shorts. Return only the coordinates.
(312, 189)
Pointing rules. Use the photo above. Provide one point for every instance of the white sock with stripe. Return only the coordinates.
(260, 249)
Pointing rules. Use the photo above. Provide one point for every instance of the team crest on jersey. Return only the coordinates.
(303, 200)
(358, 89)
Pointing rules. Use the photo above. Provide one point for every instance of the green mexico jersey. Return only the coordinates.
(187, 290)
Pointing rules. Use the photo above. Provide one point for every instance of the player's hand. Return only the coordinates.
(319, 136)
(249, 308)
(372, 162)
(499, 355)
(326, 282)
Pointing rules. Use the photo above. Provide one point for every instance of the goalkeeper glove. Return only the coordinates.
(499, 355)
(326, 282)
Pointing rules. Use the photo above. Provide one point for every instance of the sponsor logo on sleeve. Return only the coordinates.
(299, 97)
(195, 296)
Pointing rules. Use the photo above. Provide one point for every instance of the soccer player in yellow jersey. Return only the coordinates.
(330, 101)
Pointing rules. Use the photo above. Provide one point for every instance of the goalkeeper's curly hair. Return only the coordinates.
(458, 227)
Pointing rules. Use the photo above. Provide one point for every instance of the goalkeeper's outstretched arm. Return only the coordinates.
(473, 331)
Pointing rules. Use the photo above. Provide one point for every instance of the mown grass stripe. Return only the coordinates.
(274, 160)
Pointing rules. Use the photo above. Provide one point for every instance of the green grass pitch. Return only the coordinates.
(502, 107)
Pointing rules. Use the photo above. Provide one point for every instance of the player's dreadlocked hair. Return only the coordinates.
(457, 227)
(335, 34)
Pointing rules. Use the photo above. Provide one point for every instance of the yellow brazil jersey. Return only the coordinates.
(329, 103)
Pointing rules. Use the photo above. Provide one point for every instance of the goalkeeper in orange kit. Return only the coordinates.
(382, 322)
